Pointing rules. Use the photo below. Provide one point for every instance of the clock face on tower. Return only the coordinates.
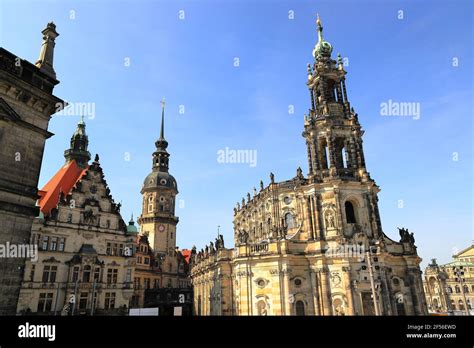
(161, 228)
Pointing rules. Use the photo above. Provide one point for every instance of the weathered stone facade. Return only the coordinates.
(153, 271)
(449, 288)
(314, 245)
(86, 250)
(26, 105)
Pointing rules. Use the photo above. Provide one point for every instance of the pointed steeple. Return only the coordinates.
(162, 132)
(45, 60)
(78, 147)
(161, 156)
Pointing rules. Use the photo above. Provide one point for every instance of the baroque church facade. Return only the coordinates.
(314, 245)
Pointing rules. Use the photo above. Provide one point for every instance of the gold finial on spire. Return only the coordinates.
(320, 27)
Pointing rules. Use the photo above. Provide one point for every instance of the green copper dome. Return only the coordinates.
(323, 48)
(131, 228)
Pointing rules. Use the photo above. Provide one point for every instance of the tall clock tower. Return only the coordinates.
(159, 192)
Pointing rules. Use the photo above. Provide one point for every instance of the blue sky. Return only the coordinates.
(190, 62)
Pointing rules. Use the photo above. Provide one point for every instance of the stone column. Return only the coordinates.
(325, 290)
(344, 92)
(310, 156)
(347, 285)
(310, 217)
(317, 217)
(340, 224)
(315, 154)
(314, 291)
(339, 93)
(286, 293)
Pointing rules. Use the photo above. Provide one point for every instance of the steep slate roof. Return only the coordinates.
(62, 182)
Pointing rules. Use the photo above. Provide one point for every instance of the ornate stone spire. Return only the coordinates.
(45, 60)
(78, 149)
(332, 131)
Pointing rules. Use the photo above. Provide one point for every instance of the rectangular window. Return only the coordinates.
(54, 244)
(45, 302)
(115, 249)
(83, 300)
(121, 250)
(62, 242)
(32, 273)
(52, 276)
(44, 246)
(75, 274)
(128, 275)
(46, 270)
(109, 249)
(112, 274)
(147, 260)
(86, 274)
(136, 283)
(147, 283)
(97, 273)
(109, 300)
(139, 259)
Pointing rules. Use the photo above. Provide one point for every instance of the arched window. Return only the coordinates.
(299, 307)
(457, 289)
(350, 213)
(400, 308)
(344, 156)
(289, 220)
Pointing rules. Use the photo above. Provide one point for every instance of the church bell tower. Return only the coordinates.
(334, 144)
(159, 192)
